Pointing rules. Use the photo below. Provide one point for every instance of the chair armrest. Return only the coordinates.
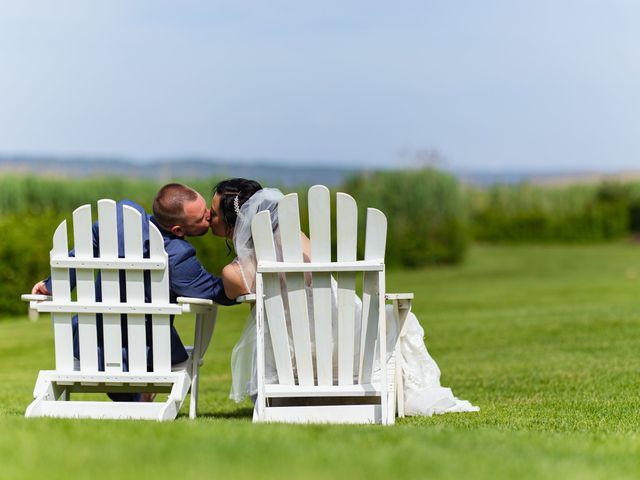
(194, 301)
(402, 307)
(197, 305)
(28, 297)
(401, 301)
(398, 296)
(248, 298)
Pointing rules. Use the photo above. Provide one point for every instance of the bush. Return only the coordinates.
(526, 213)
(425, 214)
(24, 257)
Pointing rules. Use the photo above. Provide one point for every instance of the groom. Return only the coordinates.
(178, 212)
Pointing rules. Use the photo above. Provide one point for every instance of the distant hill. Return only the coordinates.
(166, 170)
(272, 172)
(550, 179)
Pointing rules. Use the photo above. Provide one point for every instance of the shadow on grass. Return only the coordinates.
(245, 413)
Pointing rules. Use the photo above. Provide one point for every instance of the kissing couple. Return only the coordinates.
(180, 212)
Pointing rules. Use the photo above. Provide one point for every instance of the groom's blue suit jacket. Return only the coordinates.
(187, 278)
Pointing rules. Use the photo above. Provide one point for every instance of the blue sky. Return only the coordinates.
(490, 85)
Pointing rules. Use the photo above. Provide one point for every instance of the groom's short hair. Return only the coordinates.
(168, 206)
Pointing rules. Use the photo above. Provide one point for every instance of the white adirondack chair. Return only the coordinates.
(309, 389)
(54, 387)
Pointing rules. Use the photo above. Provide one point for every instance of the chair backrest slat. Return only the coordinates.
(346, 230)
(136, 332)
(289, 221)
(273, 303)
(161, 334)
(375, 243)
(108, 229)
(85, 289)
(61, 290)
(320, 237)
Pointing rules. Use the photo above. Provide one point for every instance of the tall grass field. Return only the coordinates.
(545, 339)
(31, 208)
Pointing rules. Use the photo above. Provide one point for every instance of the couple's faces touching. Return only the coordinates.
(216, 222)
(197, 217)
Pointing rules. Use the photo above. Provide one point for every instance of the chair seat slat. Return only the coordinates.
(359, 390)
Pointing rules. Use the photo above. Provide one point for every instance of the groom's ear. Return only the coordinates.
(177, 231)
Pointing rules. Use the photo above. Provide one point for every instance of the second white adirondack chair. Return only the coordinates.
(54, 387)
(309, 388)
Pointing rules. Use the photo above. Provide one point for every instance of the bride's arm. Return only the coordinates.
(306, 247)
(234, 284)
(306, 254)
(232, 280)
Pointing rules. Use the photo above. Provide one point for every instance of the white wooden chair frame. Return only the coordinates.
(54, 387)
(311, 392)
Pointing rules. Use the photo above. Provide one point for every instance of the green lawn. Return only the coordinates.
(545, 339)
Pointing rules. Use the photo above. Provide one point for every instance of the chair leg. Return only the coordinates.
(193, 401)
(195, 366)
(399, 384)
(401, 310)
(47, 392)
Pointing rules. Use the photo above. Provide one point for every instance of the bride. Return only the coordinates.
(234, 204)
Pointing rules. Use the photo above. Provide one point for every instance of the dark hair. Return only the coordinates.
(228, 190)
(168, 206)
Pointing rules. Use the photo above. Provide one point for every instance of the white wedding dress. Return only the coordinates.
(423, 393)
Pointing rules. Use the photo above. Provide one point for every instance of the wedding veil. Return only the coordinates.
(243, 362)
(265, 199)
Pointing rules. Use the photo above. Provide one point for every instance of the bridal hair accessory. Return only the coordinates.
(236, 206)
